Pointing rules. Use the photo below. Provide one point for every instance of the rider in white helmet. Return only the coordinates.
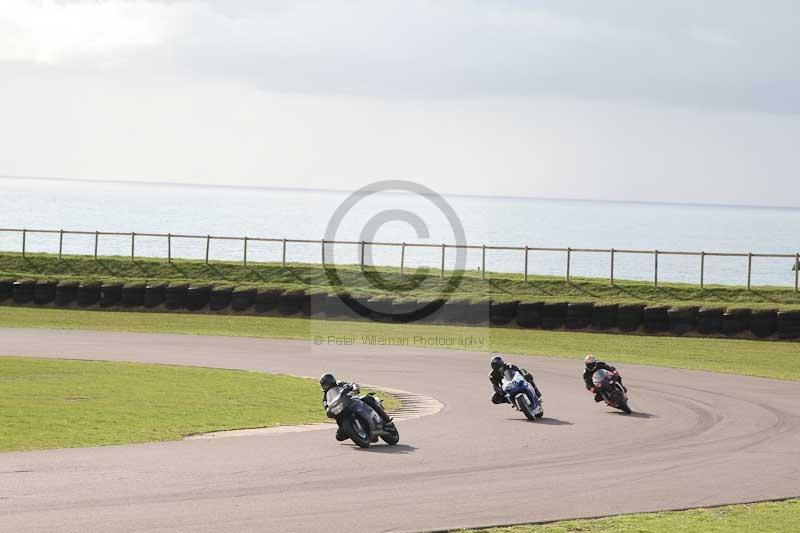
(592, 364)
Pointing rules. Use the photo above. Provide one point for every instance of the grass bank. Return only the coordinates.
(416, 284)
(767, 517)
(54, 403)
(756, 358)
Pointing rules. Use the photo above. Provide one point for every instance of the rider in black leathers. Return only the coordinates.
(592, 365)
(328, 381)
(496, 378)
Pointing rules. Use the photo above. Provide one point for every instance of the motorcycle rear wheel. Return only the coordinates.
(392, 436)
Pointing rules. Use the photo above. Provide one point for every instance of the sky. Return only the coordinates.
(679, 101)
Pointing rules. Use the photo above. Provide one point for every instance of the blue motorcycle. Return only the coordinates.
(521, 396)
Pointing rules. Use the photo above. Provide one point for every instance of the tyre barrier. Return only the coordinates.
(338, 306)
(317, 301)
(404, 310)
(478, 312)
(155, 295)
(502, 313)
(604, 316)
(380, 308)
(764, 322)
(554, 315)
(175, 296)
(110, 294)
(735, 321)
(22, 291)
(133, 295)
(88, 294)
(682, 319)
(529, 314)
(66, 293)
(579, 315)
(243, 299)
(266, 300)
(291, 302)
(44, 292)
(709, 320)
(630, 316)
(6, 289)
(197, 297)
(219, 298)
(454, 311)
(655, 318)
(789, 324)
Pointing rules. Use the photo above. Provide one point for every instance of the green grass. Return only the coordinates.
(55, 403)
(756, 358)
(388, 281)
(767, 517)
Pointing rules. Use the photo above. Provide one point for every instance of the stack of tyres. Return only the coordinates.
(454, 311)
(380, 308)
(22, 291)
(529, 314)
(764, 322)
(427, 310)
(6, 289)
(110, 294)
(735, 321)
(44, 292)
(155, 295)
(630, 316)
(478, 312)
(682, 319)
(317, 302)
(133, 295)
(88, 294)
(197, 297)
(502, 313)
(554, 315)
(66, 293)
(789, 324)
(709, 320)
(291, 302)
(175, 296)
(579, 315)
(604, 316)
(220, 298)
(404, 310)
(267, 300)
(243, 298)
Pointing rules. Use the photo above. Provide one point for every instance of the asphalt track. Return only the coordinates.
(696, 439)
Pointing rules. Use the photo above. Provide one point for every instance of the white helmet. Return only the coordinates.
(590, 360)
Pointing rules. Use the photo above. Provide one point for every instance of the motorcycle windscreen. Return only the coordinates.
(510, 376)
(599, 376)
(333, 394)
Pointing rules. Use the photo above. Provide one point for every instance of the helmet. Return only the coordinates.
(327, 381)
(497, 362)
(590, 361)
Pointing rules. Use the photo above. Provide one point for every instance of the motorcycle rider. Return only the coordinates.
(592, 365)
(496, 378)
(328, 381)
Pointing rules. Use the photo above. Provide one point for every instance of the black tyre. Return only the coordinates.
(525, 406)
(624, 406)
(391, 435)
(358, 430)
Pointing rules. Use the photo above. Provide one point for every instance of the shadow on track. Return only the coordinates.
(546, 421)
(632, 415)
(397, 448)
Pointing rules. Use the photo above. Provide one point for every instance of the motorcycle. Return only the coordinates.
(362, 419)
(611, 390)
(521, 396)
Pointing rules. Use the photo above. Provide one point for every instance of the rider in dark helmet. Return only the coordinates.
(496, 378)
(328, 381)
(592, 365)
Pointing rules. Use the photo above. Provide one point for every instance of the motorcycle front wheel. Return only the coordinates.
(525, 406)
(358, 431)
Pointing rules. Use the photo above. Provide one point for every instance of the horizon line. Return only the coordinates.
(118, 181)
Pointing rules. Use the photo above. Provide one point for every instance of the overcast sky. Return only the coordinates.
(674, 101)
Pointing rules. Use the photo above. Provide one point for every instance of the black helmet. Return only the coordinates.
(497, 362)
(327, 381)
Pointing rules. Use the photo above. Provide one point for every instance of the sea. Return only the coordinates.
(414, 216)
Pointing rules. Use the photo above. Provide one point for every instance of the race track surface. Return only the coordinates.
(696, 439)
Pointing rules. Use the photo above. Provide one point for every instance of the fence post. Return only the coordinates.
(169, 247)
(402, 257)
(441, 273)
(60, 242)
(749, 268)
(244, 255)
(611, 277)
(702, 270)
(24, 235)
(569, 257)
(655, 268)
(526, 262)
(133, 246)
(283, 261)
(483, 262)
(796, 271)
(323, 252)
(362, 256)
(208, 246)
(96, 238)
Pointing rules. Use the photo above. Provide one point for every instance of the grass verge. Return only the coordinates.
(421, 283)
(54, 403)
(757, 358)
(782, 516)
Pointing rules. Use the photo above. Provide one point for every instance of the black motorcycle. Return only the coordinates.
(611, 390)
(362, 419)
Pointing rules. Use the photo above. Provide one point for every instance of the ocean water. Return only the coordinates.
(293, 214)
